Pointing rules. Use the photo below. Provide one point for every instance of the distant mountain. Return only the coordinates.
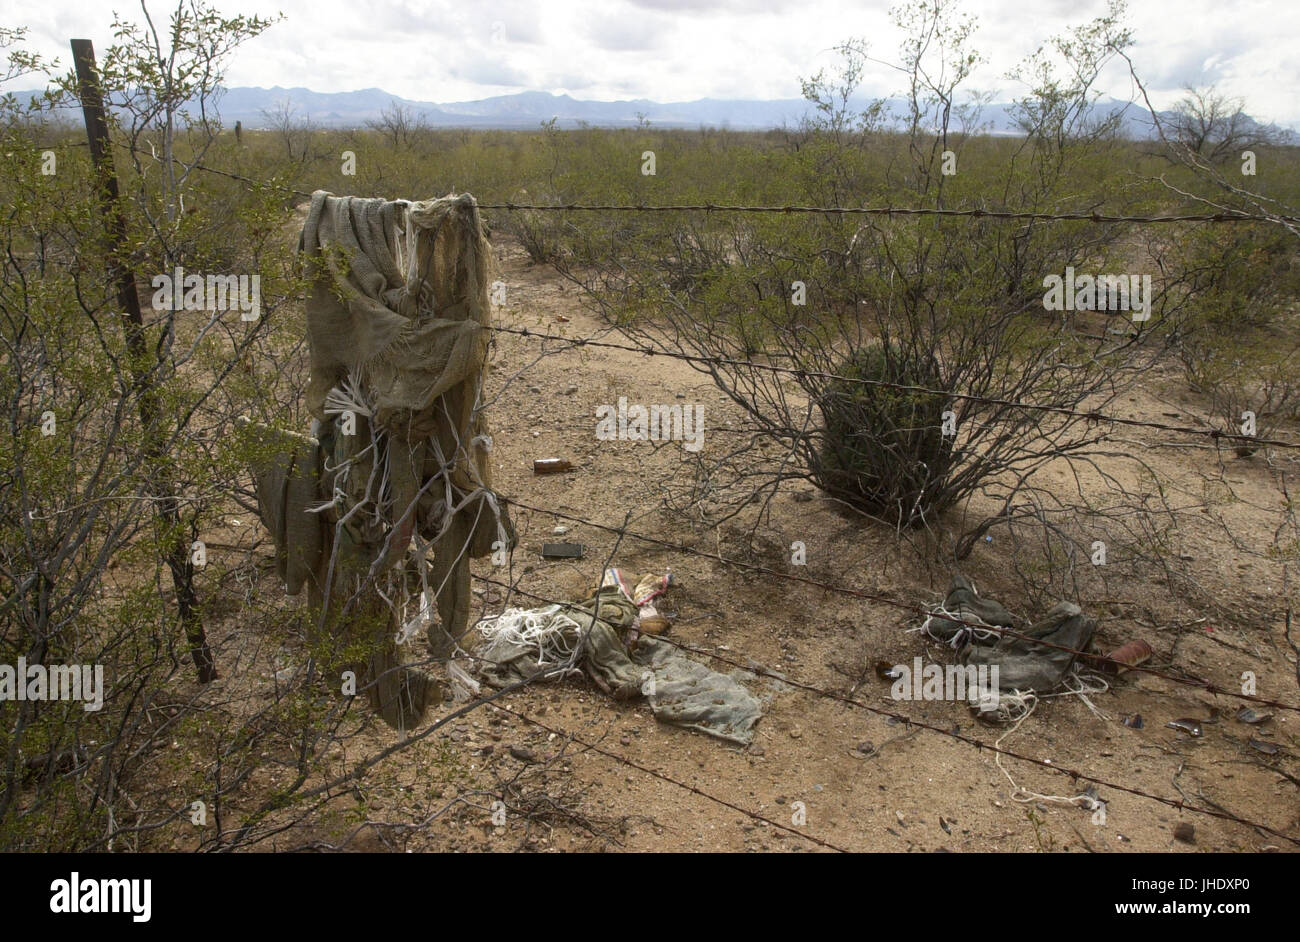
(527, 110)
(522, 110)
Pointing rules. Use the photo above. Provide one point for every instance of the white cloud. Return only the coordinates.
(667, 50)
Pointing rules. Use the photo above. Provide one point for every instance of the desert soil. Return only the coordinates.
(866, 782)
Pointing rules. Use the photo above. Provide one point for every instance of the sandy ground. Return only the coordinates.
(866, 783)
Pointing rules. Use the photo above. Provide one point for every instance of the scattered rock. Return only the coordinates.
(523, 753)
(1185, 832)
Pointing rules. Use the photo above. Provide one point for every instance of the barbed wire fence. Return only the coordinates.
(753, 666)
(1215, 435)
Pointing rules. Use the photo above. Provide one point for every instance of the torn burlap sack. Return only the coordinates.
(286, 476)
(397, 322)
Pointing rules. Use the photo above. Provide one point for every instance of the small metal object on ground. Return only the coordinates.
(1244, 715)
(551, 465)
(1128, 656)
(562, 550)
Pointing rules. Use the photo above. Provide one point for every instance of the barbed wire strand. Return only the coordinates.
(1198, 683)
(1094, 416)
(887, 211)
(754, 667)
(1219, 217)
(753, 815)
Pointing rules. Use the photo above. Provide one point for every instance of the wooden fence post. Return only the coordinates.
(176, 554)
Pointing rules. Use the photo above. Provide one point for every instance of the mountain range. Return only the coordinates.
(256, 108)
(527, 110)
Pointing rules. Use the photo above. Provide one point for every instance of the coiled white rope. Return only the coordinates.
(553, 634)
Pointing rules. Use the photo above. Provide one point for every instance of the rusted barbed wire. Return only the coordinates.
(754, 667)
(1092, 416)
(753, 815)
(1219, 217)
(1195, 682)
(886, 211)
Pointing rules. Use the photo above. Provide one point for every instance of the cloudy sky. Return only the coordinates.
(673, 50)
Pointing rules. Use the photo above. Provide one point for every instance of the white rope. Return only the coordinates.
(964, 632)
(347, 397)
(549, 631)
(410, 628)
(463, 686)
(1089, 683)
(1029, 700)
